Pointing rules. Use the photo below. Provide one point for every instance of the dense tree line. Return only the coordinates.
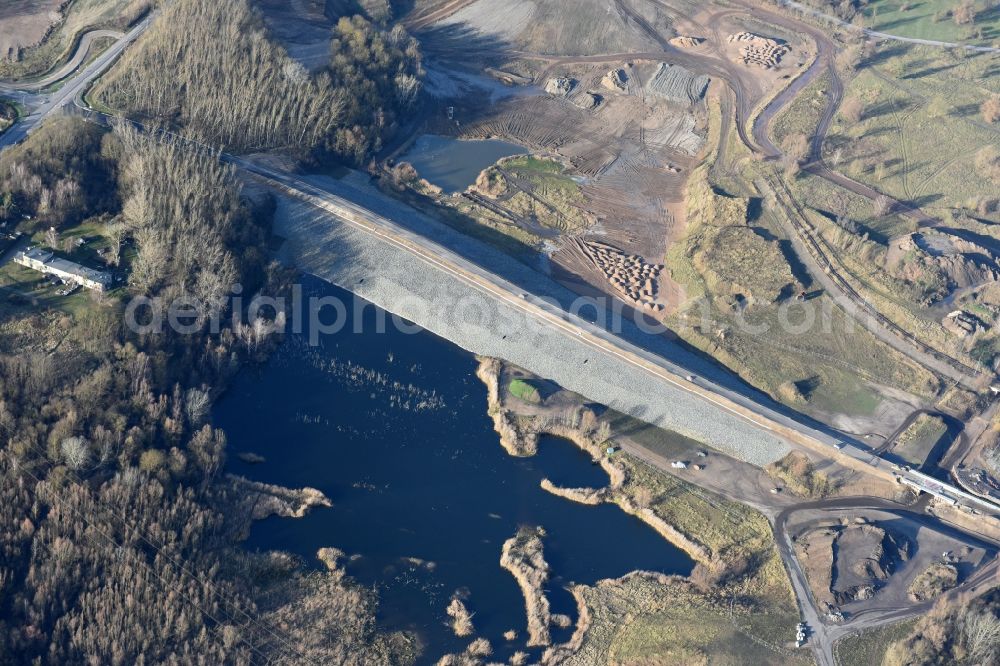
(119, 536)
(954, 633)
(211, 69)
(59, 177)
(379, 70)
(193, 233)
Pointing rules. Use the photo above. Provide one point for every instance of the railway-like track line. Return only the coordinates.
(962, 372)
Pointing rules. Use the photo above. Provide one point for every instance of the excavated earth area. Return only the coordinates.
(302, 27)
(544, 26)
(866, 561)
(962, 263)
(630, 131)
(847, 563)
(631, 154)
(24, 23)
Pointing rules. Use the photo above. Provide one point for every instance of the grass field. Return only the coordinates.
(736, 607)
(920, 128)
(640, 620)
(524, 390)
(860, 262)
(25, 288)
(916, 442)
(868, 647)
(687, 633)
(803, 114)
(807, 354)
(931, 19)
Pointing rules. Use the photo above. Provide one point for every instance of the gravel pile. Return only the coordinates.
(677, 84)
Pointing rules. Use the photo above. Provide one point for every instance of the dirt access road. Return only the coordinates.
(883, 35)
(825, 62)
(811, 253)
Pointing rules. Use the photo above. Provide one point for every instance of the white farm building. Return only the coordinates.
(46, 262)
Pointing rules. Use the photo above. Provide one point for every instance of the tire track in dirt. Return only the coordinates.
(423, 19)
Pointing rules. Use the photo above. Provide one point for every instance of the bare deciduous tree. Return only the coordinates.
(75, 453)
(982, 636)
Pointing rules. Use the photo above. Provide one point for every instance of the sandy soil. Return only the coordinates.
(23, 23)
(544, 26)
(302, 27)
(634, 149)
(631, 155)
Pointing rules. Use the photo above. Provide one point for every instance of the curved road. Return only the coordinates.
(42, 105)
(825, 62)
(82, 50)
(734, 404)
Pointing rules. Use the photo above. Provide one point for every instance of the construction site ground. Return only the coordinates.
(629, 148)
(926, 546)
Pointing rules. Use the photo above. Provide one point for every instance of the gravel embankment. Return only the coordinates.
(406, 285)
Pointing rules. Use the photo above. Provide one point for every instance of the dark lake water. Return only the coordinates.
(393, 428)
(453, 164)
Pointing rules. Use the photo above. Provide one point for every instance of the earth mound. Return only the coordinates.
(940, 263)
(850, 562)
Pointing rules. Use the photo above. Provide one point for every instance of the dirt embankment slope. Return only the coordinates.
(24, 23)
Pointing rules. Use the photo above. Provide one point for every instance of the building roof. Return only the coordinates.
(66, 266)
(72, 268)
(37, 254)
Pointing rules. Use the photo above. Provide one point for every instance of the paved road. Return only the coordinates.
(43, 105)
(725, 400)
(728, 401)
(82, 50)
(883, 35)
